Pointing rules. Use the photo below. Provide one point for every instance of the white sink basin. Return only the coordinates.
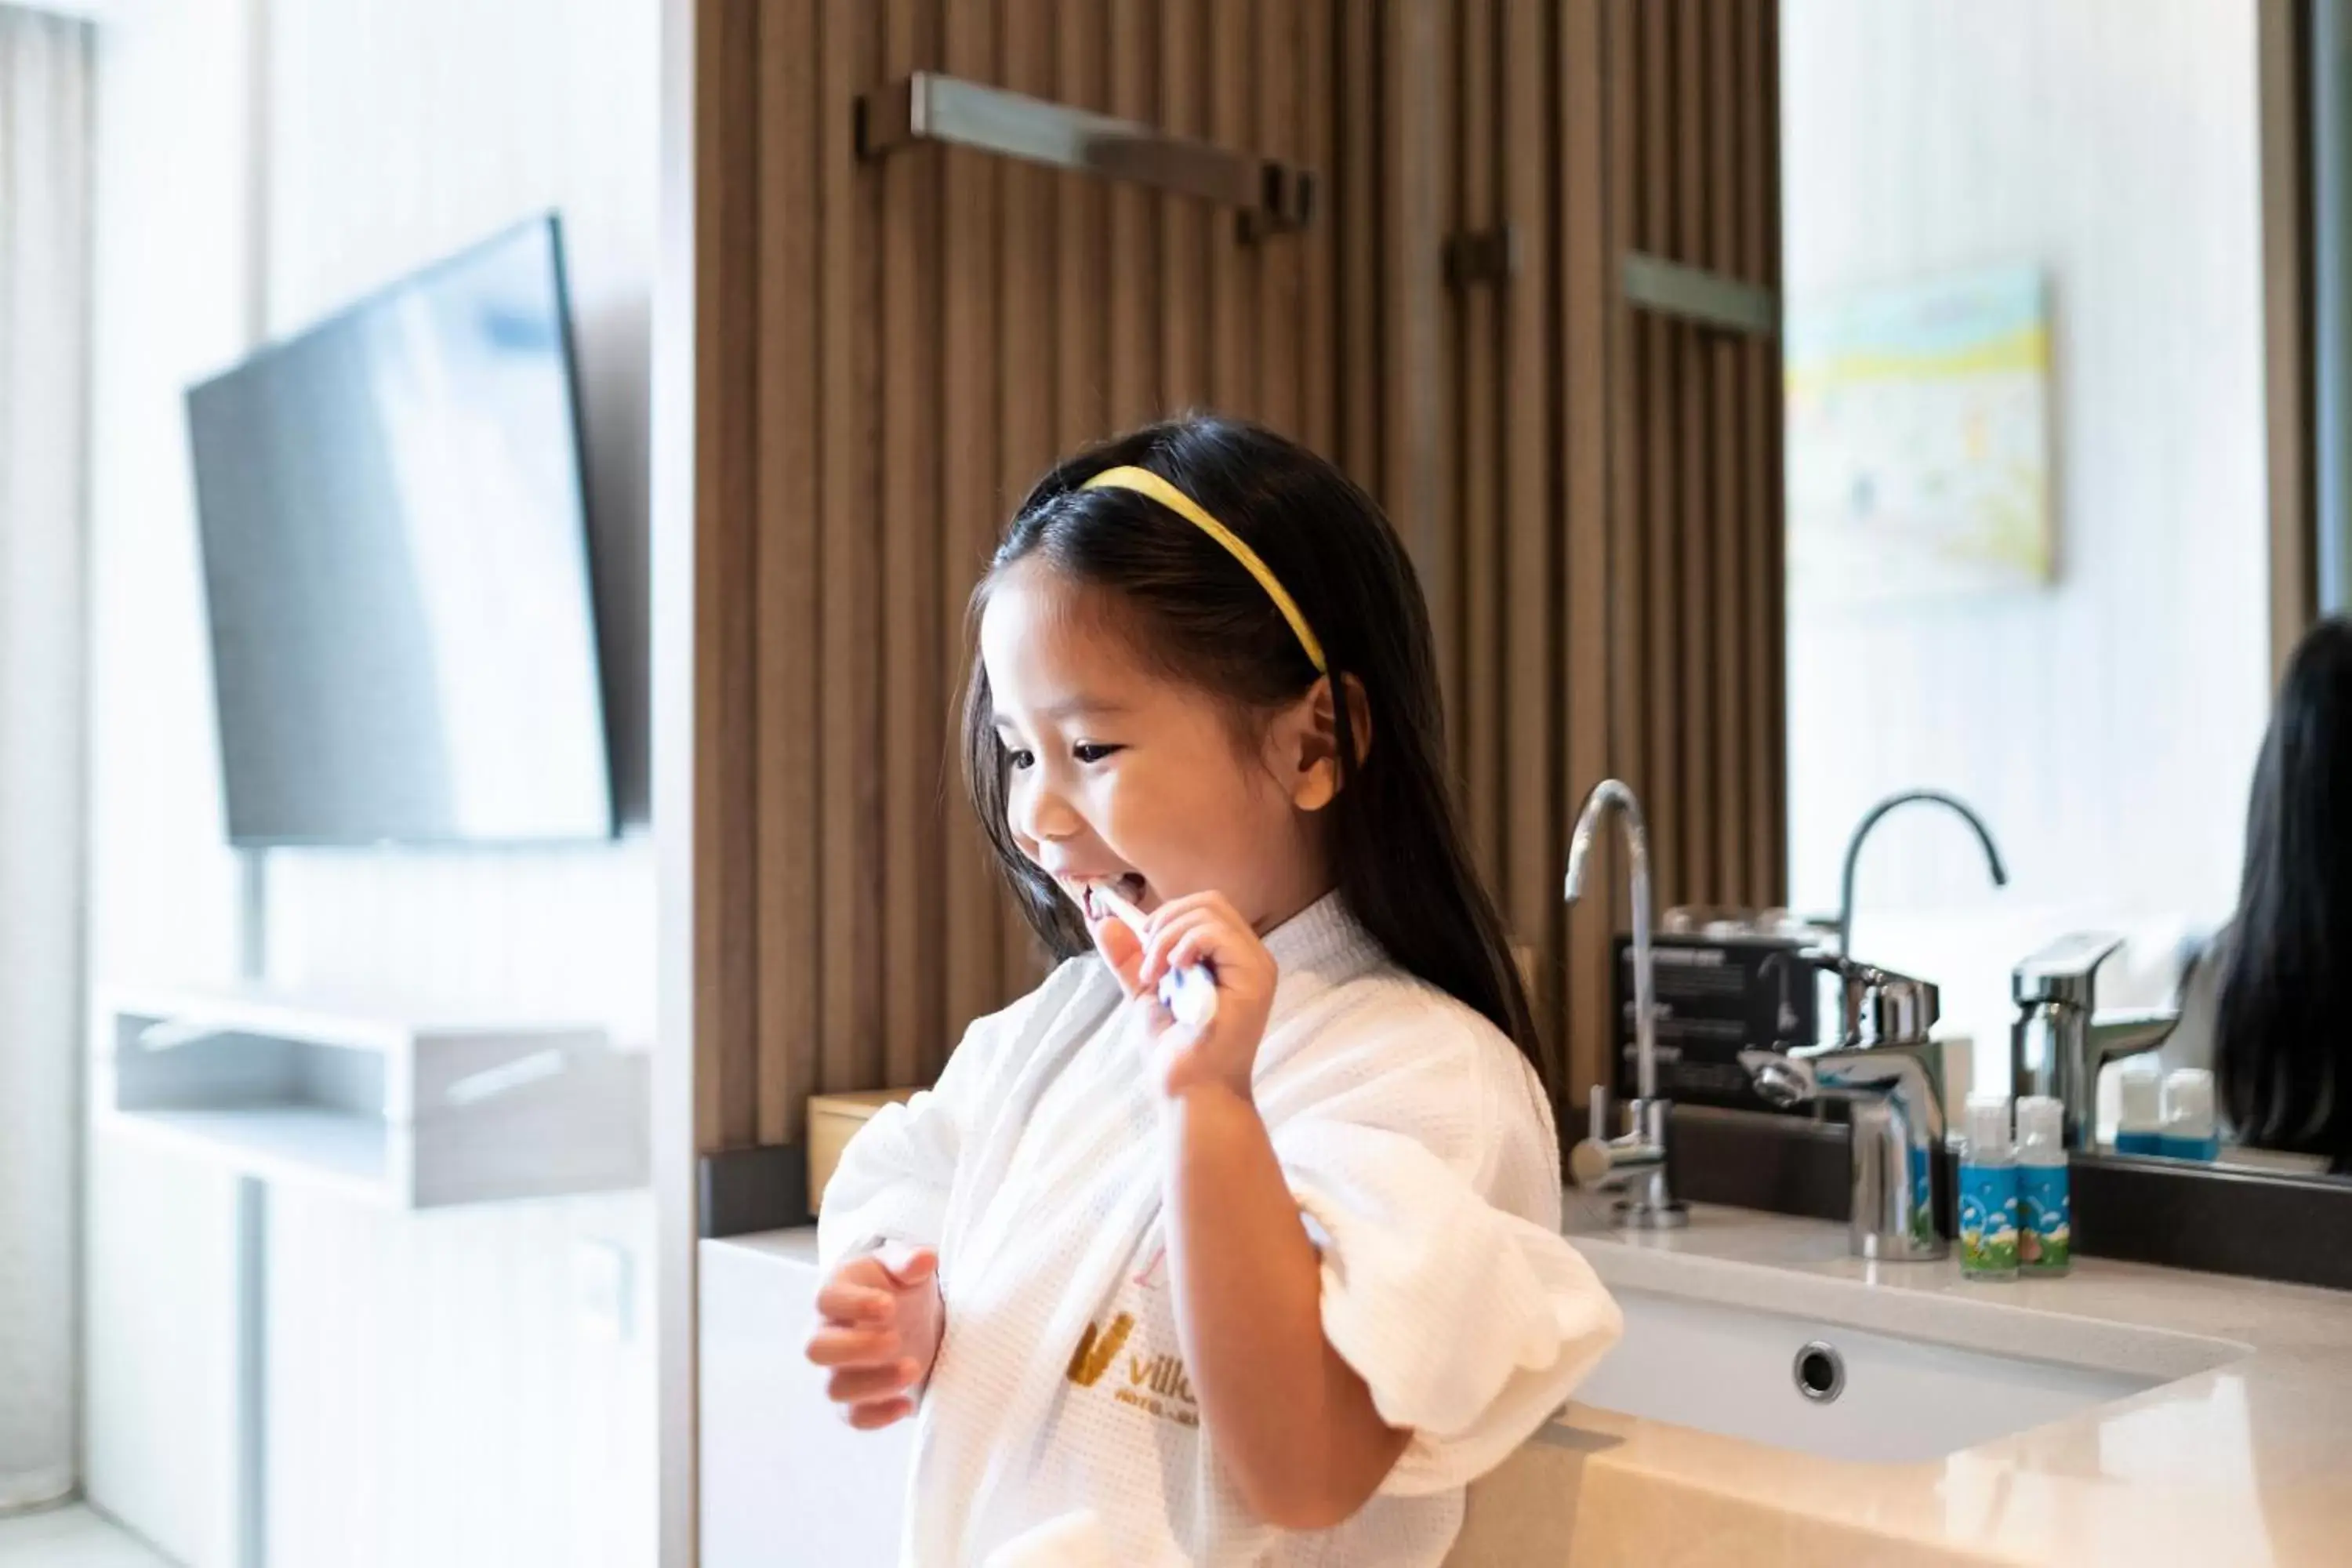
(1720, 1319)
(1741, 1373)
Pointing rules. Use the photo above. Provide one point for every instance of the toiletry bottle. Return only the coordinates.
(2141, 1127)
(2045, 1219)
(2189, 1133)
(1987, 1193)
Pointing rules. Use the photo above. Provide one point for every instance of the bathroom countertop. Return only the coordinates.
(2242, 1463)
(2246, 1463)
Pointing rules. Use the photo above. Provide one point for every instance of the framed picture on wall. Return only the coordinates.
(1920, 441)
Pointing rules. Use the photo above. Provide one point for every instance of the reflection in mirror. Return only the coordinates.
(2266, 1009)
(2028, 547)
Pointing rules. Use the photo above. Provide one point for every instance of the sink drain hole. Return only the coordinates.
(1819, 1371)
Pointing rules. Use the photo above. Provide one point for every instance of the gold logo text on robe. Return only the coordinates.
(1096, 1350)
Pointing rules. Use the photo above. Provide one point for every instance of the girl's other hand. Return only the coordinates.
(880, 1323)
(1203, 928)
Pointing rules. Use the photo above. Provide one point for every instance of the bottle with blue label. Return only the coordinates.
(1988, 1192)
(1923, 1196)
(2141, 1130)
(2189, 1130)
(2045, 1218)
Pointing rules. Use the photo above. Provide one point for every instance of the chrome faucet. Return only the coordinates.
(1870, 820)
(1884, 1067)
(2060, 1042)
(1634, 1160)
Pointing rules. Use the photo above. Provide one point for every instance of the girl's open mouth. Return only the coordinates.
(1130, 887)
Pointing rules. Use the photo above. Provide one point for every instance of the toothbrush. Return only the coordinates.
(1189, 994)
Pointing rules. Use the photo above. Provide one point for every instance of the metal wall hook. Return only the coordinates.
(1271, 197)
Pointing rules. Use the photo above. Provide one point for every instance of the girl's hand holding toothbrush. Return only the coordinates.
(1200, 930)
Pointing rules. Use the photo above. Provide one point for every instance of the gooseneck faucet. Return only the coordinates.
(1632, 1162)
(1870, 820)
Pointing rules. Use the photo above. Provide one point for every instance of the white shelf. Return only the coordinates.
(407, 1111)
(278, 1143)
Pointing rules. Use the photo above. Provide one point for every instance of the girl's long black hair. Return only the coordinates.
(2284, 1031)
(1396, 839)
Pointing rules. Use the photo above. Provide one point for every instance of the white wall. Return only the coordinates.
(44, 220)
(159, 1378)
(2106, 726)
(432, 1398)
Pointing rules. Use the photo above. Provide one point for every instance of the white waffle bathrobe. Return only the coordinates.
(1423, 1157)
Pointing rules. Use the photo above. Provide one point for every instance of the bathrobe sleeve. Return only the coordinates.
(895, 1176)
(1423, 1157)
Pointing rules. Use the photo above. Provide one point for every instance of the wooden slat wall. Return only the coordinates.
(1593, 497)
(780, 415)
(1534, 710)
(1591, 337)
(2283, 49)
(873, 412)
(731, 251)
(1604, 562)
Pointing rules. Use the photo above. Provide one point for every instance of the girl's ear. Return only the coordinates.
(1308, 742)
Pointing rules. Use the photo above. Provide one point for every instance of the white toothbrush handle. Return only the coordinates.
(1190, 994)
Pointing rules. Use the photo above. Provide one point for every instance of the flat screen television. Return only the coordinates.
(395, 562)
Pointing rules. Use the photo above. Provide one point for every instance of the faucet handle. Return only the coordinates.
(2066, 971)
(1596, 1115)
(1876, 1007)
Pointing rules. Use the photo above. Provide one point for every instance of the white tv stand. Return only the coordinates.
(377, 1103)
(389, 1107)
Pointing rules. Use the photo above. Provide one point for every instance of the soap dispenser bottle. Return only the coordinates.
(2189, 1131)
(1987, 1193)
(2140, 1129)
(2045, 1220)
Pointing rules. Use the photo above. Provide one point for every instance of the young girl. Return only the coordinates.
(1274, 1290)
(2269, 1005)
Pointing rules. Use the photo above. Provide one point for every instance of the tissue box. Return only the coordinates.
(832, 1120)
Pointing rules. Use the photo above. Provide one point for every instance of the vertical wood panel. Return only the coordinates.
(2282, 53)
(1081, 379)
(1734, 634)
(1772, 613)
(1592, 201)
(913, 1023)
(1427, 296)
(1318, 113)
(1134, 218)
(1531, 522)
(850, 906)
(1232, 301)
(1479, 716)
(1184, 224)
(968, 501)
(1692, 523)
(1024, 349)
(785, 561)
(1279, 260)
(1417, 367)
(1760, 416)
(1631, 678)
(1653, 420)
(1356, 216)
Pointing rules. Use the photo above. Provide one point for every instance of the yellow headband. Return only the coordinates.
(1144, 482)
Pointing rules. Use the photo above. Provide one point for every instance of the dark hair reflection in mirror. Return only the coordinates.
(2283, 1045)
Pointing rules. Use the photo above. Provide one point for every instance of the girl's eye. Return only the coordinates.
(1021, 759)
(1092, 753)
